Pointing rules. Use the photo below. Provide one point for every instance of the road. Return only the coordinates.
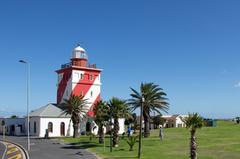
(52, 149)
(11, 150)
(3, 148)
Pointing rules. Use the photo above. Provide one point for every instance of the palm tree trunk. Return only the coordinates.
(101, 134)
(146, 125)
(193, 145)
(76, 127)
(115, 132)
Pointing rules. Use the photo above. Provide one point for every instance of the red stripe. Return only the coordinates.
(90, 112)
(85, 84)
(62, 85)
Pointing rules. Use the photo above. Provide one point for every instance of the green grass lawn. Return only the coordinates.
(221, 142)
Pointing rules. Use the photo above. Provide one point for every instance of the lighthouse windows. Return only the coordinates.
(91, 93)
(81, 76)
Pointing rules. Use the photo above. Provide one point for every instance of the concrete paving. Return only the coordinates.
(51, 149)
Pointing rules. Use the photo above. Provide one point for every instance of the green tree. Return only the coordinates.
(101, 111)
(154, 101)
(76, 107)
(132, 121)
(193, 122)
(238, 120)
(14, 116)
(119, 109)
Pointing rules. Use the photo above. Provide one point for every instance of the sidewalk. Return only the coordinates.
(51, 149)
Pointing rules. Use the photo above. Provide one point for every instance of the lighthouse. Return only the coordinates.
(80, 78)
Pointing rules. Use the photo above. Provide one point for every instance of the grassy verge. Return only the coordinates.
(221, 142)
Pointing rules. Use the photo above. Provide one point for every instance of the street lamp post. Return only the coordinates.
(111, 135)
(3, 126)
(28, 100)
(140, 132)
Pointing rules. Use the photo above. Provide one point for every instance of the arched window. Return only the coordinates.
(35, 127)
(62, 129)
(50, 127)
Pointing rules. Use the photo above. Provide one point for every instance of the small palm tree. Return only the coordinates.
(238, 120)
(193, 122)
(154, 101)
(131, 142)
(101, 111)
(119, 109)
(76, 107)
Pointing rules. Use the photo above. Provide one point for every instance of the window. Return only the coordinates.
(35, 127)
(62, 129)
(91, 77)
(91, 93)
(76, 75)
(81, 76)
(29, 126)
(50, 127)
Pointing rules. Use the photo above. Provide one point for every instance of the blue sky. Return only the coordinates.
(190, 48)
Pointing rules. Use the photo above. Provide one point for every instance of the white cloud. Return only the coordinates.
(237, 85)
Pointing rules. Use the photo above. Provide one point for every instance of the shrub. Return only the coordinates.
(131, 142)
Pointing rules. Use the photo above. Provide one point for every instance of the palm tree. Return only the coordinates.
(154, 101)
(238, 120)
(158, 120)
(101, 111)
(131, 142)
(76, 107)
(193, 122)
(119, 109)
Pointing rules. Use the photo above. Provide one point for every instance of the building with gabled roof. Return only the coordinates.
(174, 121)
(50, 121)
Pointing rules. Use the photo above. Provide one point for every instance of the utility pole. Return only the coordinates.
(140, 132)
(3, 125)
(28, 100)
(111, 144)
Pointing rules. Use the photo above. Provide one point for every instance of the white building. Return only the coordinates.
(52, 120)
(49, 119)
(174, 121)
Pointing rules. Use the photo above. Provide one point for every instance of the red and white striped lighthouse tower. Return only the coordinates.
(79, 78)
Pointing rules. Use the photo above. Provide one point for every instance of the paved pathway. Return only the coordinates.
(51, 149)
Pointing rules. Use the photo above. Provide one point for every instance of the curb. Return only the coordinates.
(20, 146)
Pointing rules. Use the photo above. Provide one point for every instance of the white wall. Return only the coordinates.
(121, 125)
(31, 128)
(179, 122)
(56, 126)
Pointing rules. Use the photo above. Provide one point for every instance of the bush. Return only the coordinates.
(131, 142)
